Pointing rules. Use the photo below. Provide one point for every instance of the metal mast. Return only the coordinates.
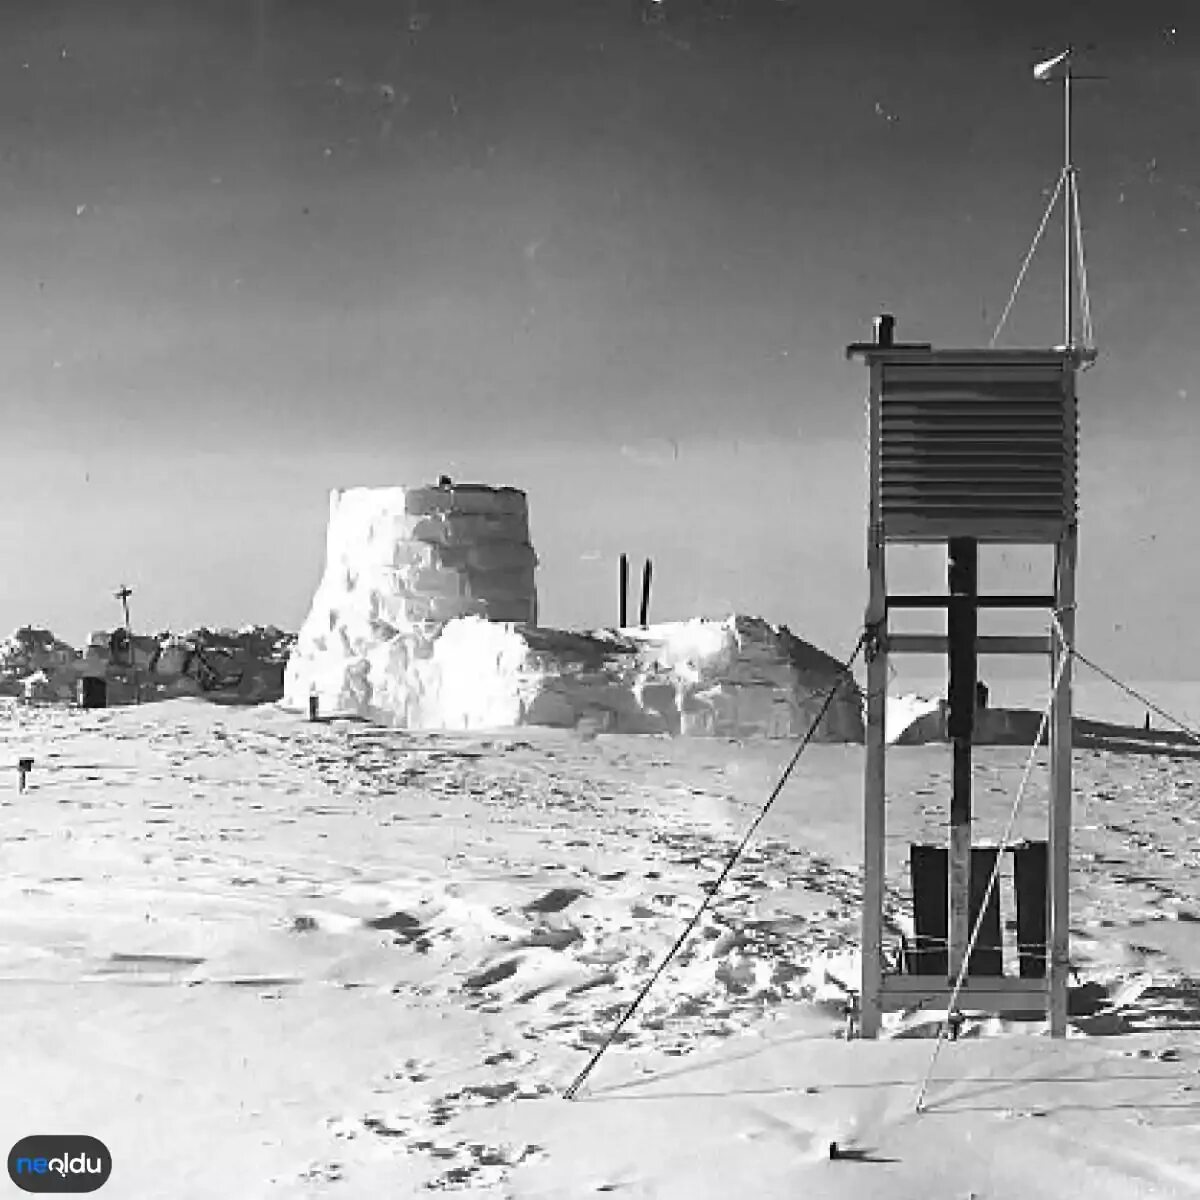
(1068, 215)
(1061, 67)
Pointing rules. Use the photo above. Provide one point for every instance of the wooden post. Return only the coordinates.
(123, 593)
(875, 796)
(1065, 555)
(875, 782)
(644, 612)
(623, 601)
(962, 625)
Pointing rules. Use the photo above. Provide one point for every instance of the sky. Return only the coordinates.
(257, 249)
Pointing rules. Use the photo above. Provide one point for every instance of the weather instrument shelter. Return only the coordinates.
(969, 448)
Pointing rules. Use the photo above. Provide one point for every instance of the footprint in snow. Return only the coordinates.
(498, 973)
(555, 900)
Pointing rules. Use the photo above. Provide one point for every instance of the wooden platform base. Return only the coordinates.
(995, 995)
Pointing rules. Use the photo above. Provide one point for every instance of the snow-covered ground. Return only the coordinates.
(259, 957)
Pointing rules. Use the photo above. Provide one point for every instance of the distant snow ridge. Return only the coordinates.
(426, 618)
(246, 662)
(30, 661)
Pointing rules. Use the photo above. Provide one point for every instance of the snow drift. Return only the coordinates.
(914, 720)
(740, 677)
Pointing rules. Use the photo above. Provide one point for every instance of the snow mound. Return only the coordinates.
(912, 719)
(740, 677)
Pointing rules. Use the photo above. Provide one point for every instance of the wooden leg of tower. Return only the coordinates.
(961, 626)
(1060, 787)
(874, 816)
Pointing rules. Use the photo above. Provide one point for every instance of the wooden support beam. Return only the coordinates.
(874, 844)
(875, 782)
(1015, 530)
(962, 618)
(1004, 994)
(1060, 787)
(936, 643)
(999, 601)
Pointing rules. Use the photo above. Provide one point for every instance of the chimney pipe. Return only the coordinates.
(885, 330)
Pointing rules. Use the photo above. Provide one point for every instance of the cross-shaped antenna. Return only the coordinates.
(123, 593)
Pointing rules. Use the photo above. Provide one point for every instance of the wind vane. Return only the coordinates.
(1052, 70)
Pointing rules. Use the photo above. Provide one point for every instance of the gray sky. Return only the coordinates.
(255, 252)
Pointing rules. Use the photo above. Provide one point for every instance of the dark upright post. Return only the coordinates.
(644, 613)
(1031, 876)
(623, 616)
(123, 593)
(962, 622)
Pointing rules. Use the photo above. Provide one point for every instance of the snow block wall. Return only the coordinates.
(404, 556)
(399, 564)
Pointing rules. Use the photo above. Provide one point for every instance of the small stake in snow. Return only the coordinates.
(850, 1012)
(24, 766)
(314, 703)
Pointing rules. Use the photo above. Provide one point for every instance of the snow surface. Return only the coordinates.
(281, 960)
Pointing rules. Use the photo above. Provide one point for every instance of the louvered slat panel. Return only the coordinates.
(987, 444)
